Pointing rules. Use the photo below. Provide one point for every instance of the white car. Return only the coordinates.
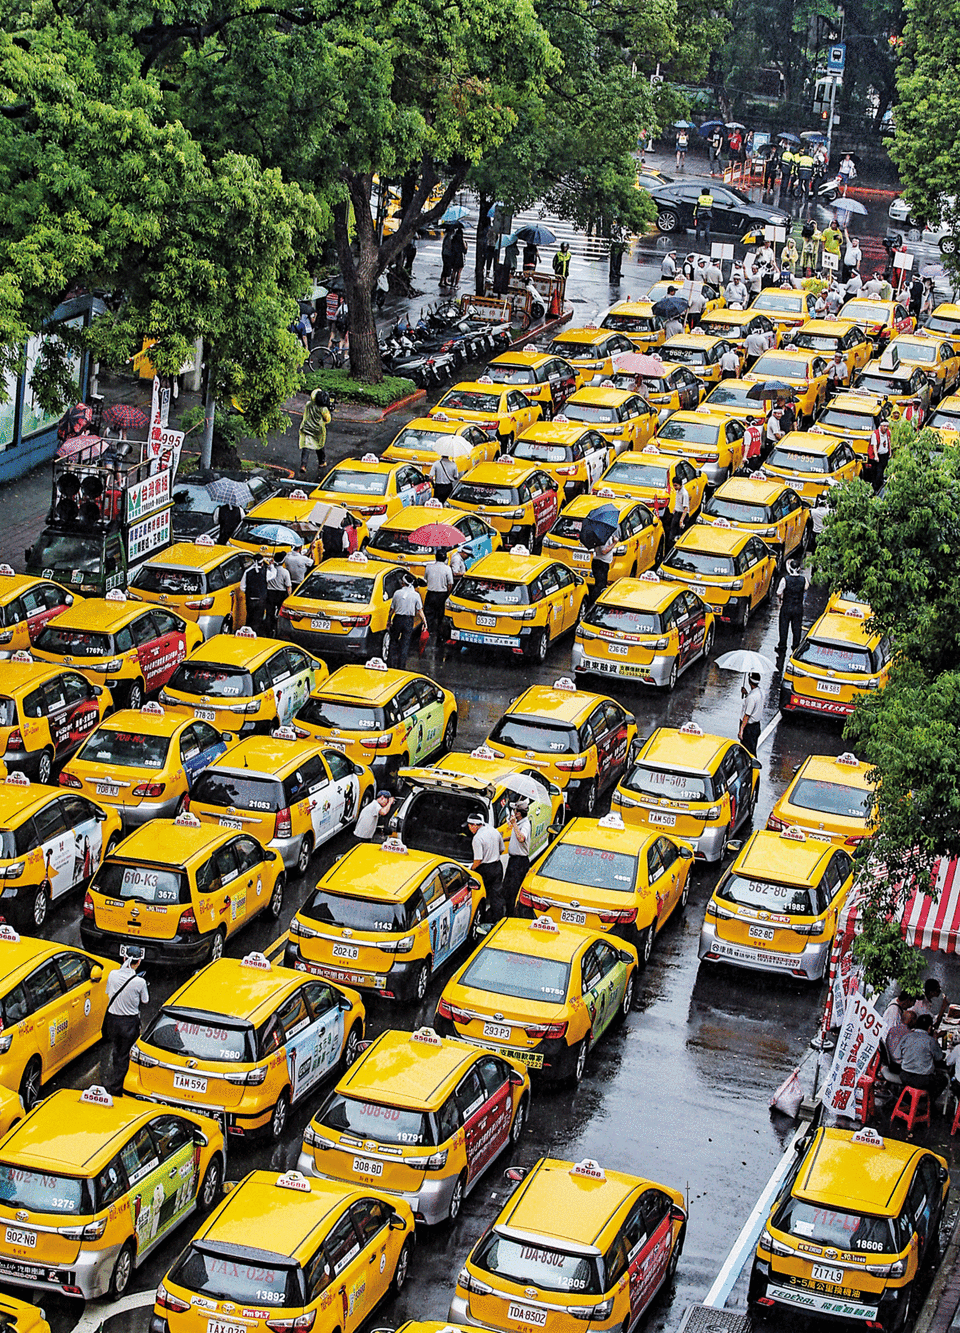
(943, 236)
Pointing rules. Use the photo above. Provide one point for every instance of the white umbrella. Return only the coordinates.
(743, 659)
(327, 514)
(452, 446)
(526, 786)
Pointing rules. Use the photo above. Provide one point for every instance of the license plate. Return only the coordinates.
(523, 1314)
(190, 1082)
(498, 1030)
(345, 951)
(699, 588)
(319, 623)
(582, 558)
(225, 822)
(221, 1326)
(620, 649)
(205, 714)
(105, 789)
(367, 1168)
(828, 686)
(336, 745)
(658, 817)
(821, 1273)
(17, 1237)
(761, 933)
(486, 620)
(573, 918)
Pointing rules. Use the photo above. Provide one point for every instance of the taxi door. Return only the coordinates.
(85, 832)
(687, 387)
(379, 1249)
(47, 1007)
(413, 488)
(604, 980)
(353, 1274)
(480, 539)
(563, 381)
(429, 720)
(291, 673)
(568, 596)
(146, 640)
(610, 729)
(79, 715)
(320, 796)
(483, 1099)
(226, 897)
(81, 1022)
(691, 621)
(153, 1167)
(545, 503)
(597, 453)
(664, 868)
(649, 1233)
(311, 1033)
(41, 603)
(56, 848)
(794, 519)
(251, 890)
(200, 744)
(449, 902)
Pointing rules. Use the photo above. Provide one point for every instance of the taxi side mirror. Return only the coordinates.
(100, 815)
(228, 737)
(200, 1139)
(624, 956)
(734, 847)
(344, 1002)
(516, 1078)
(514, 1174)
(397, 1223)
(69, 599)
(96, 974)
(686, 853)
(756, 765)
(96, 691)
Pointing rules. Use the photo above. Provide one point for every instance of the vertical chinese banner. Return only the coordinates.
(856, 1047)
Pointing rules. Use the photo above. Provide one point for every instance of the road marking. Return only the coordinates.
(95, 1316)
(745, 1243)
(770, 727)
(275, 950)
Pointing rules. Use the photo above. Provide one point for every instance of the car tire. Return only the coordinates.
(667, 220)
(456, 1198)
(40, 906)
(30, 1084)
(450, 734)
(351, 1047)
(587, 798)
(402, 1270)
(226, 625)
(211, 1186)
(948, 245)
(304, 852)
(45, 768)
(518, 1123)
(685, 894)
(122, 1272)
(381, 647)
(275, 905)
(675, 1253)
(671, 682)
(647, 942)
(747, 613)
(135, 700)
(580, 1063)
(629, 994)
(278, 1117)
(422, 982)
(216, 946)
(708, 639)
(539, 643)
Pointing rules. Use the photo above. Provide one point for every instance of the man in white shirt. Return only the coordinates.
(730, 364)
(837, 372)
(458, 565)
(406, 613)
(439, 577)
(750, 720)
(279, 587)
(668, 265)
(126, 992)
(872, 286)
(736, 293)
(854, 285)
(680, 513)
(518, 853)
(487, 851)
(755, 345)
(297, 564)
(712, 273)
(368, 820)
(444, 474)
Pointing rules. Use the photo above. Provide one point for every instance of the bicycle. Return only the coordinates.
(326, 358)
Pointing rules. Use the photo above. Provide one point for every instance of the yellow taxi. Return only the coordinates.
(385, 918)
(26, 604)
(619, 415)
(880, 320)
(945, 323)
(776, 908)
(810, 463)
(607, 877)
(199, 580)
(946, 418)
(372, 489)
(649, 476)
(242, 1041)
(805, 372)
(91, 1184)
(843, 600)
(732, 398)
(593, 353)
(837, 661)
(331, 1254)
(241, 683)
(342, 608)
(421, 1117)
(290, 794)
(854, 417)
(695, 787)
(540, 994)
(766, 507)
(828, 336)
(714, 297)
(737, 325)
(22, 1316)
(852, 1230)
(827, 795)
(788, 309)
(425, 439)
(518, 499)
(130, 648)
(645, 630)
(573, 454)
(391, 542)
(730, 569)
(672, 389)
(143, 763)
(576, 1244)
(504, 413)
(637, 320)
(582, 742)
(518, 601)
(639, 535)
(701, 352)
(46, 712)
(542, 378)
(50, 844)
(905, 387)
(53, 998)
(936, 357)
(379, 717)
(713, 444)
(283, 523)
(179, 889)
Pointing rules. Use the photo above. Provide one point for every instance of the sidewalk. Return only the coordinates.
(939, 1311)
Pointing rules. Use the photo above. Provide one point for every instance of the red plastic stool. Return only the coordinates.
(919, 1109)
(956, 1120)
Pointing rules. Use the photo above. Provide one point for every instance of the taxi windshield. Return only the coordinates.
(397, 541)
(590, 412)
(383, 1124)
(243, 791)
(125, 749)
(527, 733)
(251, 1278)
(462, 401)
(794, 899)
(778, 301)
(831, 798)
(884, 384)
(937, 324)
(213, 679)
(701, 562)
(492, 592)
(944, 420)
(738, 511)
(848, 420)
(590, 867)
(175, 582)
(838, 657)
(664, 782)
(74, 642)
(322, 587)
(817, 342)
(537, 1266)
(542, 453)
(507, 374)
(794, 460)
(346, 714)
(40, 1192)
(693, 432)
(184, 1033)
(725, 395)
(477, 493)
(373, 914)
(656, 476)
(522, 976)
(836, 1227)
(623, 619)
(148, 884)
(779, 367)
(630, 323)
(348, 481)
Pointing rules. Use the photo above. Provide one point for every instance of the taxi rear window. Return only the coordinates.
(425, 441)
(348, 481)
(184, 1033)
(522, 976)
(663, 782)
(690, 432)
(248, 1277)
(856, 661)
(834, 416)
(175, 582)
(148, 884)
(245, 792)
(337, 909)
(570, 348)
(701, 562)
(729, 397)
(817, 342)
(511, 374)
(831, 798)
(837, 1228)
(686, 356)
(337, 588)
(76, 642)
(536, 452)
(796, 461)
(210, 678)
(538, 1266)
(472, 402)
(476, 493)
(591, 412)
(937, 324)
(8, 711)
(493, 592)
(369, 1120)
(591, 867)
(40, 1192)
(398, 542)
(526, 733)
(796, 899)
(126, 749)
(623, 619)
(943, 420)
(881, 384)
(321, 712)
(636, 474)
(630, 323)
(738, 511)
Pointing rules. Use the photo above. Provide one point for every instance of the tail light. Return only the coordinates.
(623, 918)
(168, 1302)
(148, 789)
(284, 827)
(527, 899)
(186, 801)
(14, 739)
(355, 622)
(447, 1010)
(436, 1161)
(808, 928)
(711, 909)
(572, 765)
(92, 1230)
(249, 1077)
(601, 1311)
(546, 1031)
(88, 906)
(204, 604)
(776, 825)
(372, 509)
(301, 1322)
(468, 1282)
(68, 780)
(286, 614)
(377, 742)
(188, 922)
(566, 471)
(854, 841)
(140, 1057)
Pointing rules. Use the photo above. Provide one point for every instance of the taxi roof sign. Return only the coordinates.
(650, 577)
(204, 540)
(432, 503)
(245, 632)
(7, 572)
(298, 494)
(565, 683)
(394, 846)
(869, 1136)
(856, 612)
(691, 729)
(606, 493)
(485, 379)
(794, 834)
(848, 759)
(427, 1037)
(546, 924)
(520, 549)
(22, 656)
(722, 523)
(8, 935)
(293, 1180)
(589, 1168)
(257, 960)
(284, 734)
(187, 820)
(17, 779)
(375, 664)
(482, 752)
(153, 709)
(440, 416)
(369, 458)
(97, 1095)
(649, 449)
(116, 595)
(359, 558)
(611, 821)
(562, 418)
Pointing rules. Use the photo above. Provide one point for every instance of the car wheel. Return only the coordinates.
(747, 613)
(675, 1253)
(275, 905)
(456, 1198)
(40, 906)
(303, 854)
(135, 700)
(519, 1122)
(392, 778)
(383, 648)
(278, 1121)
(450, 734)
(948, 245)
(423, 981)
(216, 945)
(672, 678)
(587, 798)
(212, 1184)
(626, 1004)
(30, 1084)
(402, 1270)
(480, 918)
(647, 940)
(685, 893)
(122, 1272)
(537, 652)
(724, 840)
(580, 1064)
(708, 642)
(45, 768)
(112, 845)
(351, 1047)
(667, 220)
(658, 558)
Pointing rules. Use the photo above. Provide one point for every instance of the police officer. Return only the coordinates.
(787, 161)
(790, 593)
(406, 613)
(126, 992)
(804, 165)
(703, 213)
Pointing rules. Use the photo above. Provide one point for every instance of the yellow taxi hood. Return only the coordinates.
(366, 871)
(235, 989)
(554, 432)
(790, 857)
(558, 1202)
(290, 1216)
(500, 473)
(65, 1133)
(753, 490)
(412, 1070)
(840, 1173)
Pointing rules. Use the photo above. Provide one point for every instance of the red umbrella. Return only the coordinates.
(124, 416)
(77, 444)
(74, 421)
(437, 534)
(636, 363)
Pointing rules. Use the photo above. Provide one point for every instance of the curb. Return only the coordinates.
(548, 327)
(937, 1311)
(411, 398)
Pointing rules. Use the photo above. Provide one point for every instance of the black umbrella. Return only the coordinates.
(599, 526)
(770, 389)
(536, 234)
(670, 307)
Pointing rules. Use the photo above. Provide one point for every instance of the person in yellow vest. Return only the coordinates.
(561, 266)
(787, 160)
(803, 162)
(832, 241)
(703, 213)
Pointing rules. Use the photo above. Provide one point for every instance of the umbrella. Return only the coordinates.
(327, 515)
(451, 446)
(670, 307)
(124, 416)
(933, 271)
(75, 420)
(770, 389)
(813, 136)
(335, 284)
(637, 363)
(788, 138)
(493, 208)
(599, 526)
(743, 659)
(735, 125)
(525, 786)
(683, 125)
(275, 534)
(708, 126)
(536, 234)
(78, 444)
(437, 534)
(454, 214)
(226, 491)
(850, 206)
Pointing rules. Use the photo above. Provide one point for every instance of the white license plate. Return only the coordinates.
(226, 822)
(761, 933)
(620, 649)
(821, 1273)
(336, 745)
(318, 623)
(523, 1314)
(205, 714)
(345, 951)
(828, 686)
(486, 620)
(582, 558)
(190, 1082)
(105, 789)
(498, 1030)
(658, 817)
(573, 918)
(367, 1168)
(17, 1237)
(221, 1326)
(699, 588)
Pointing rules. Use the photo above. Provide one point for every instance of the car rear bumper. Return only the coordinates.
(810, 963)
(430, 1204)
(654, 672)
(89, 1274)
(179, 952)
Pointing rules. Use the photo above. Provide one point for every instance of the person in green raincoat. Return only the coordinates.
(313, 430)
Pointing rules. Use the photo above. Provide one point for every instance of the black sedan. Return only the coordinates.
(733, 211)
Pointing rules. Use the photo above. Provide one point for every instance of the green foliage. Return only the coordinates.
(341, 386)
(884, 955)
(230, 431)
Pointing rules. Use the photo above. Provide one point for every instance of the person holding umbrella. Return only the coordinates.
(681, 147)
(439, 577)
(459, 254)
(444, 474)
(518, 852)
(750, 718)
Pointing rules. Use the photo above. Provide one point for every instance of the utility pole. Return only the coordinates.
(836, 59)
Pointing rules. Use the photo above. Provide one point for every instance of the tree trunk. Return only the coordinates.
(483, 231)
(209, 412)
